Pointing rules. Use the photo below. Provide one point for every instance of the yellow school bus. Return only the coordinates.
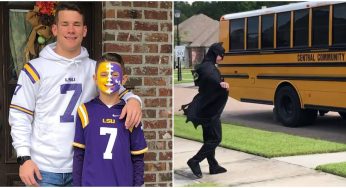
(291, 56)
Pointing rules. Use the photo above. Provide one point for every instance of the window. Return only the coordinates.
(267, 31)
(339, 24)
(301, 28)
(252, 33)
(237, 34)
(320, 26)
(283, 30)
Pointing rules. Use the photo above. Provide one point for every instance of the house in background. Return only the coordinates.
(197, 33)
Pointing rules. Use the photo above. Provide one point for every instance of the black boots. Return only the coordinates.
(217, 169)
(195, 168)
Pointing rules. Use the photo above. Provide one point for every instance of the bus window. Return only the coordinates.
(252, 33)
(283, 31)
(268, 31)
(237, 34)
(320, 26)
(301, 28)
(339, 24)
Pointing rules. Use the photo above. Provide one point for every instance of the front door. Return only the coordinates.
(12, 13)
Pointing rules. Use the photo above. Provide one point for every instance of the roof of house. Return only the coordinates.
(199, 30)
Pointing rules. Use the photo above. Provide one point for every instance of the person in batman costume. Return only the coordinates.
(206, 108)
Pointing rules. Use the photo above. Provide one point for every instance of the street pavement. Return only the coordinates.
(246, 169)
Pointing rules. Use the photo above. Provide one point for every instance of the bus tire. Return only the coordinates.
(287, 104)
(343, 115)
(310, 116)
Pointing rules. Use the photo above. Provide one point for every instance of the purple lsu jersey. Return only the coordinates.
(108, 144)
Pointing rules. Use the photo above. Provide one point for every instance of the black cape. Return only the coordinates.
(211, 99)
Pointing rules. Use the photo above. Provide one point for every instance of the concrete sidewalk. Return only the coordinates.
(246, 169)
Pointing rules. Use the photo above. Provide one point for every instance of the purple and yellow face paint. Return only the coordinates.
(109, 77)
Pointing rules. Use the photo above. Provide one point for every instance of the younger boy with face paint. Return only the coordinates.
(106, 153)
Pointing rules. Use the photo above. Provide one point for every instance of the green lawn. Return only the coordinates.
(334, 168)
(185, 75)
(258, 142)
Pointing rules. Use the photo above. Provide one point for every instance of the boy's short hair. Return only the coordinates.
(114, 57)
(67, 6)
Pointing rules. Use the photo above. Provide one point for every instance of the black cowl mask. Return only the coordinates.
(214, 50)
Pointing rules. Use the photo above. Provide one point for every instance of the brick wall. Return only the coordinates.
(142, 33)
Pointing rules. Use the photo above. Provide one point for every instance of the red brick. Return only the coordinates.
(150, 156)
(146, 48)
(109, 37)
(129, 37)
(164, 60)
(154, 124)
(170, 146)
(117, 25)
(146, 26)
(110, 47)
(126, 4)
(115, 3)
(134, 81)
(151, 81)
(157, 102)
(166, 27)
(165, 71)
(132, 59)
(164, 185)
(156, 15)
(154, 167)
(156, 37)
(150, 4)
(165, 176)
(165, 92)
(160, 145)
(170, 122)
(165, 114)
(149, 113)
(149, 177)
(165, 156)
(165, 134)
(166, 4)
(148, 71)
(156, 145)
(150, 59)
(150, 135)
(146, 92)
(127, 70)
(110, 13)
(136, 14)
(166, 48)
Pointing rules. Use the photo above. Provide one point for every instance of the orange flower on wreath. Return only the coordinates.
(41, 18)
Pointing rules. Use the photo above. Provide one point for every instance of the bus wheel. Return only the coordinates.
(310, 116)
(343, 115)
(288, 108)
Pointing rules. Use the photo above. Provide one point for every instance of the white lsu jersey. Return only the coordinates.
(44, 104)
